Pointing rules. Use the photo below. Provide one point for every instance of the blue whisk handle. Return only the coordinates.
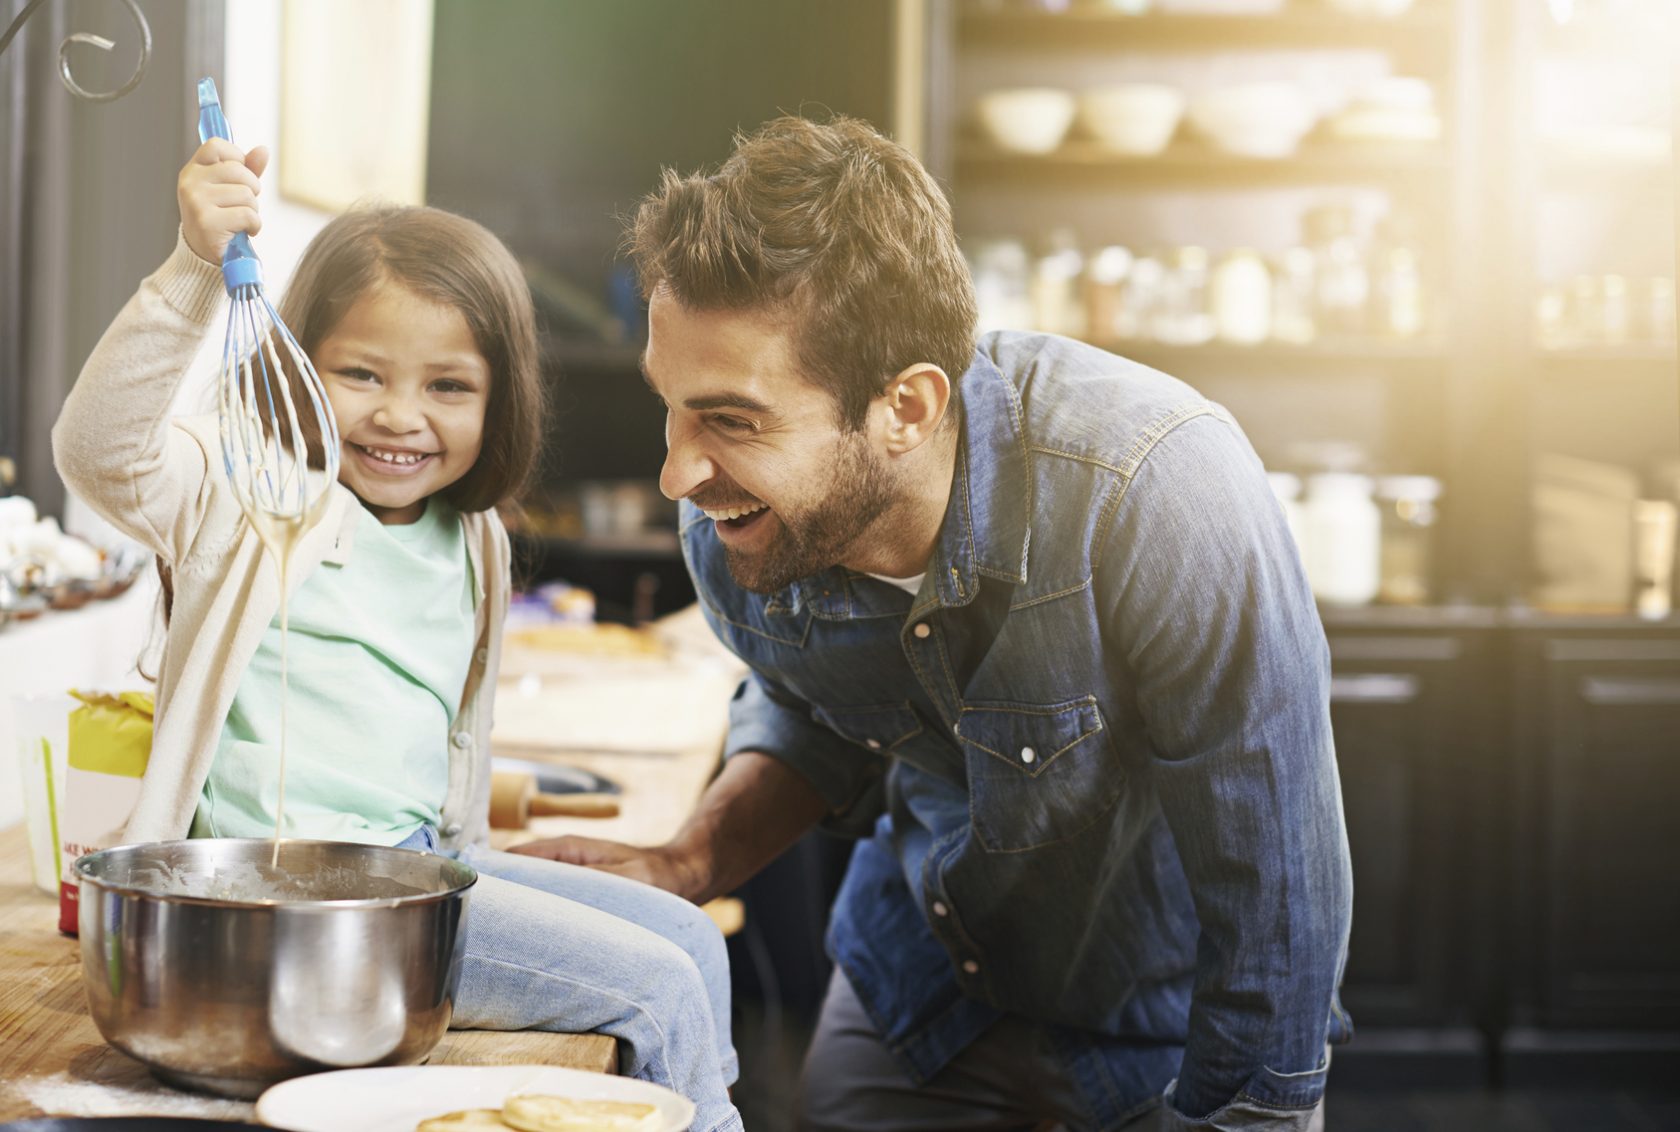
(240, 266)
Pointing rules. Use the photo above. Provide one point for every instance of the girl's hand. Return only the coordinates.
(217, 191)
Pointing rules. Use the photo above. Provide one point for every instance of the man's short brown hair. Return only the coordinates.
(834, 225)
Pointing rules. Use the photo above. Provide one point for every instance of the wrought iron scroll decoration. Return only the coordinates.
(99, 41)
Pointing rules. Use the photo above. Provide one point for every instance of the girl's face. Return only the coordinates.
(409, 388)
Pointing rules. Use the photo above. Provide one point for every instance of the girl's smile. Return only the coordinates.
(410, 388)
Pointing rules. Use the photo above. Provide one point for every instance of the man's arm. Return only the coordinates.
(755, 808)
(1208, 606)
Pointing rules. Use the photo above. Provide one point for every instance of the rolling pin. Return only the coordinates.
(515, 800)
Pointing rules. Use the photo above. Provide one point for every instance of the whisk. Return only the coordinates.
(264, 446)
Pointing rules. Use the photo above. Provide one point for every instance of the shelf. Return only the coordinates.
(1190, 162)
(1615, 362)
(1423, 32)
(1273, 356)
(1622, 174)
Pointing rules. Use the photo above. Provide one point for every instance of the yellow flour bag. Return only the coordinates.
(110, 743)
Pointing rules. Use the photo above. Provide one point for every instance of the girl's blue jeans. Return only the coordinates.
(551, 946)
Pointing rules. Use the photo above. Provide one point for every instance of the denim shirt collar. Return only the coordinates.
(985, 530)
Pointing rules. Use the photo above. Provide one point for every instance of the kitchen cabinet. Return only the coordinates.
(1596, 848)
(1510, 781)
(1411, 723)
(1414, 714)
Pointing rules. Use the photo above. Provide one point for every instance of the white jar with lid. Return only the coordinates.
(1241, 298)
(1343, 528)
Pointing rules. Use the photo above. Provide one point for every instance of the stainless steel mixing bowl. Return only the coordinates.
(226, 976)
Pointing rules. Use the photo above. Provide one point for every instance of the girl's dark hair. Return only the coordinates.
(456, 262)
(834, 224)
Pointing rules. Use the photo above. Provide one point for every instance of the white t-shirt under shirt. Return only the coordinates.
(908, 585)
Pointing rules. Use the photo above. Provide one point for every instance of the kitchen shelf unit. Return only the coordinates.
(1189, 163)
(1426, 390)
(1421, 31)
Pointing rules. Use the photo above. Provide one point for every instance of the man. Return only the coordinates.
(1024, 618)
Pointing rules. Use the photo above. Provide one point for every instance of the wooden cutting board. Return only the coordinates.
(54, 1063)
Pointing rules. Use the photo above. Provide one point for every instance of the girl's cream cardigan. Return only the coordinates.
(161, 481)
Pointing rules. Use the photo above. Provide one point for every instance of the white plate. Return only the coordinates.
(396, 1098)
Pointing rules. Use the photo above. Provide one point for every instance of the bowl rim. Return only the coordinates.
(83, 877)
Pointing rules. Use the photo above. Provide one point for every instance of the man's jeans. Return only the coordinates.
(1013, 1078)
(551, 946)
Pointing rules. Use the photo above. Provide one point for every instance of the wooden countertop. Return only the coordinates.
(54, 1063)
(652, 723)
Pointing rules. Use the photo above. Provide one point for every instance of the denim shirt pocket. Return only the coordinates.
(877, 727)
(1038, 773)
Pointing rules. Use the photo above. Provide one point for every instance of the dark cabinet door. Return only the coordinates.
(1599, 851)
(1408, 746)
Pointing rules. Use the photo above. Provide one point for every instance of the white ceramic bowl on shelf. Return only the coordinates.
(1258, 119)
(1136, 119)
(1031, 120)
(1379, 9)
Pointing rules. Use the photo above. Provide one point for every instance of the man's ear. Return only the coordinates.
(913, 405)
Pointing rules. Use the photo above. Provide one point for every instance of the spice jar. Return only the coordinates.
(1182, 318)
(1057, 308)
(1140, 298)
(1293, 293)
(1001, 274)
(1617, 310)
(1343, 286)
(1105, 282)
(1397, 302)
(1241, 298)
(1409, 511)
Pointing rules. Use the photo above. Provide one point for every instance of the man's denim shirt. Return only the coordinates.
(1091, 758)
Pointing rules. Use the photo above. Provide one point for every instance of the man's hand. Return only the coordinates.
(754, 808)
(661, 866)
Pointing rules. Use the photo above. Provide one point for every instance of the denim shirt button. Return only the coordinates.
(971, 967)
(1028, 754)
(939, 908)
(921, 630)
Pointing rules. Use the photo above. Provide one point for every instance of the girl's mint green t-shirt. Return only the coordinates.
(379, 653)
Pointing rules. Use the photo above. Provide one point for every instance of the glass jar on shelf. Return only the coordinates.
(1617, 310)
(1658, 325)
(1585, 318)
(1001, 285)
(1342, 285)
(1241, 298)
(1397, 291)
(1056, 275)
(1139, 298)
(1343, 530)
(1551, 318)
(1409, 506)
(1293, 293)
(1182, 318)
(1105, 292)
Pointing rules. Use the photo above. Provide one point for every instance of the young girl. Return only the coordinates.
(420, 326)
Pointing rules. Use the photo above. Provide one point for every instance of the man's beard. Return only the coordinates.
(859, 493)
